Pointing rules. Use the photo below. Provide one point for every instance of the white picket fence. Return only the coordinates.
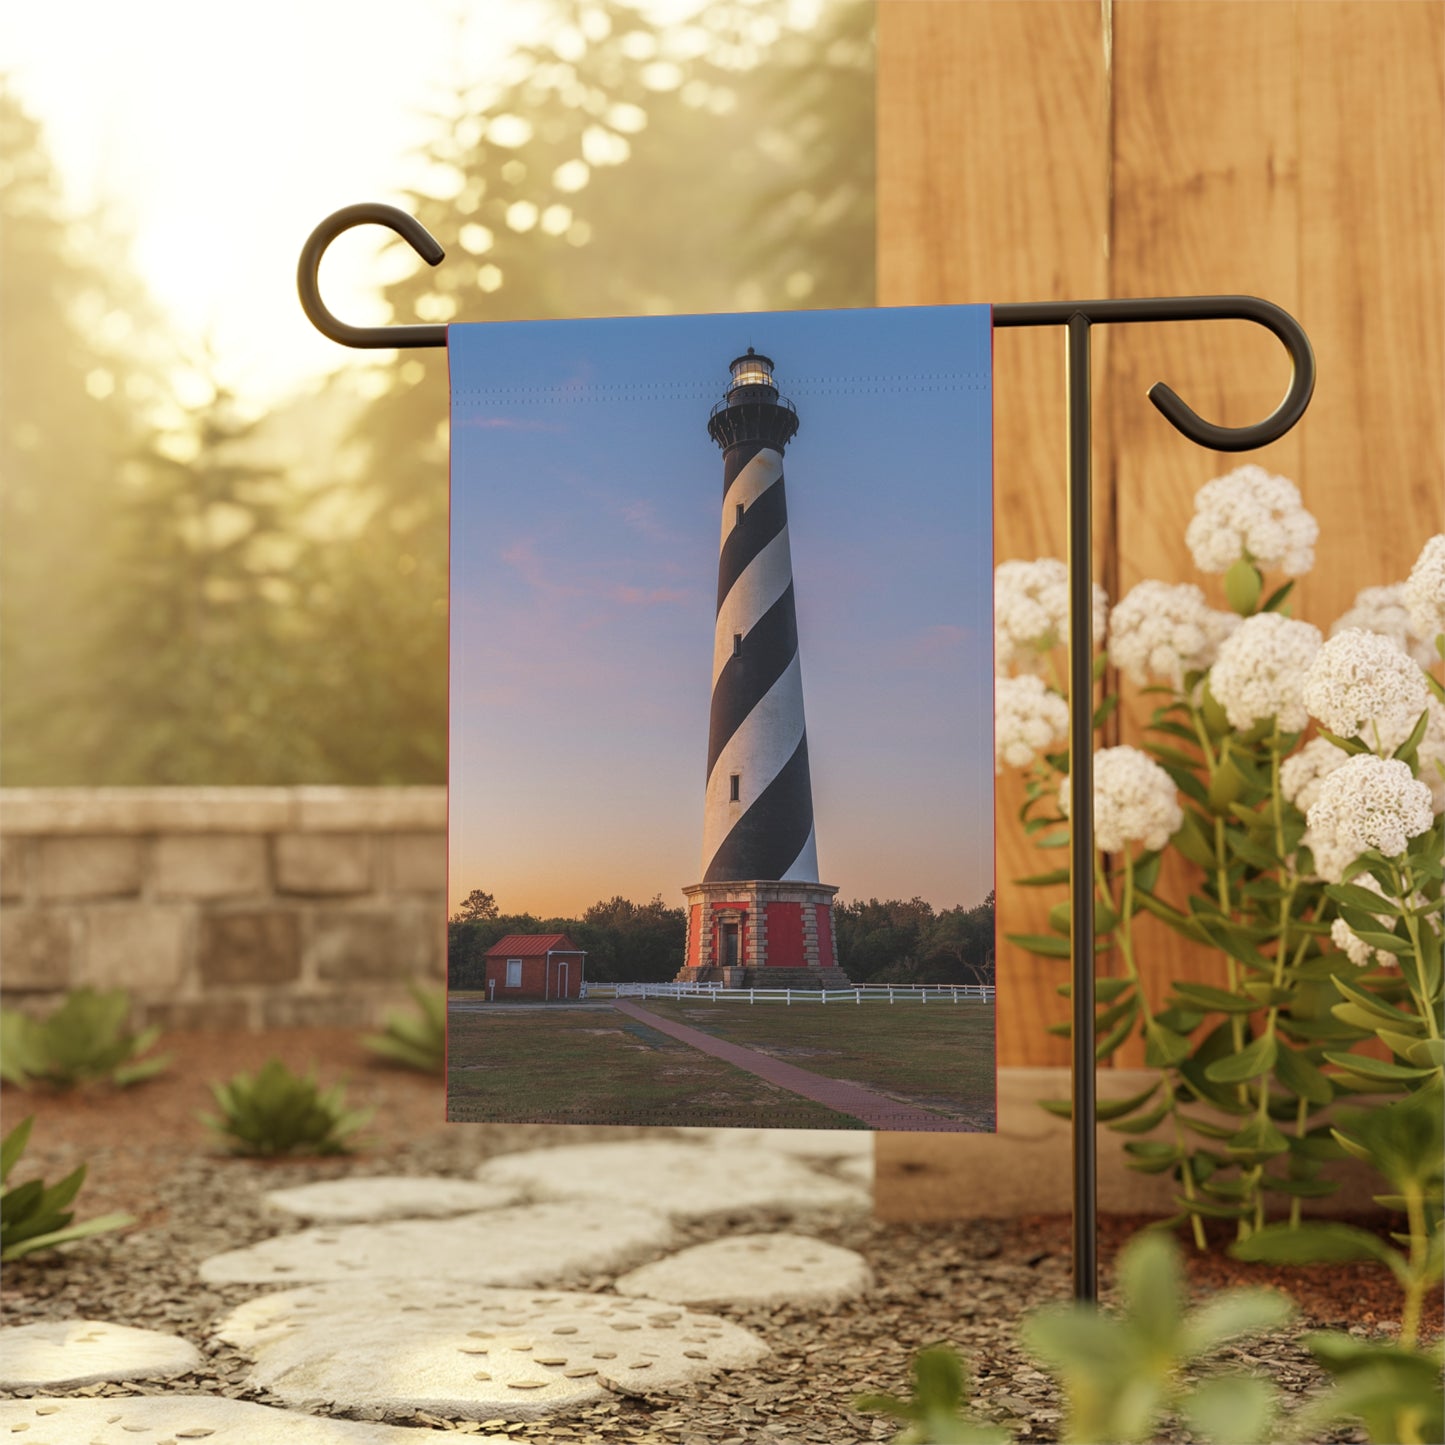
(717, 993)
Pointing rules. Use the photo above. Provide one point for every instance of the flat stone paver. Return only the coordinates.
(181, 1419)
(88, 1352)
(349, 1201)
(820, 1144)
(523, 1245)
(689, 1181)
(875, 1110)
(473, 1353)
(753, 1269)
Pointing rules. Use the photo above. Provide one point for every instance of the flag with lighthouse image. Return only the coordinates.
(721, 727)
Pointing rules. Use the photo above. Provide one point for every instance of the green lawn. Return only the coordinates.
(938, 1055)
(596, 1066)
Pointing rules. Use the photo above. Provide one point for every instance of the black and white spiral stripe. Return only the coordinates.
(756, 733)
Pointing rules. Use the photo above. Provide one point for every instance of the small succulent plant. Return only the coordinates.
(277, 1112)
(82, 1041)
(33, 1215)
(419, 1040)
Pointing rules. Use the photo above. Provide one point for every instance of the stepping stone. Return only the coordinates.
(825, 1144)
(753, 1269)
(687, 1181)
(474, 1353)
(525, 1245)
(348, 1201)
(89, 1352)
(183, 1419)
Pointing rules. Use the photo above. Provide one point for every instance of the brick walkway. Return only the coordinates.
(875, 1110)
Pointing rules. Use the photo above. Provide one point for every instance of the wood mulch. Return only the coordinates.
(966, 1283)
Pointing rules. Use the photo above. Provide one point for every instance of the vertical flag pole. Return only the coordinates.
(1081, 796)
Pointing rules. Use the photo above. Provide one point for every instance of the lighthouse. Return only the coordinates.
(759, 915)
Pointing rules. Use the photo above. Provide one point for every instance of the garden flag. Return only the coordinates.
(721, 759)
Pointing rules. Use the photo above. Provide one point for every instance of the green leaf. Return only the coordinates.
(1232, 1409)
(1369, 1068)
(13, 1146)
(1312, 1243)
(1363, 899)
(1242, 586)
(1427, 1053)
(1274, 601)
(1249, 1063)
(1163, 1047)
(1260, 1139)
(1106, 990)
(1386, 942)
(1301, 1077)
(1349, 745)
(1217, 1000)
(1372, 1004)
(1152, 1156)
(1142, 1123)
(1042, 943)
(1230, 1315)
(1408, 749)
(1044, 880)
(101, 1225)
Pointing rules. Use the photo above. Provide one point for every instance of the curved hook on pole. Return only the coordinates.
(308, 268)
(1178, 412)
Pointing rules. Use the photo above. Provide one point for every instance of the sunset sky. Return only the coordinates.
(586, 500)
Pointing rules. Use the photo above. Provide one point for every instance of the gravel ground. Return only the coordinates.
(967, 1283)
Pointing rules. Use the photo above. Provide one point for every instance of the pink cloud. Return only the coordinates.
(646, 596)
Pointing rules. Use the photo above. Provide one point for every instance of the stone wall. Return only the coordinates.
(224, 907)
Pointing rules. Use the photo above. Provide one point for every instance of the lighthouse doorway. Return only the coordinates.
(730, 945)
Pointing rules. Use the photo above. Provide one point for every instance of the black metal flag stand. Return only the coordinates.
(1077, 317)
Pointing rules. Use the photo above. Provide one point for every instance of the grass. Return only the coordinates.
(937, 1055)
(595, 1066)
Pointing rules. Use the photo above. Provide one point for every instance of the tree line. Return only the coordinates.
(892, 941)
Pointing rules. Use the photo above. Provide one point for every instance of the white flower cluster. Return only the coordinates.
(1383, 610)
(1354, 947)
(1432, 754)
(1424, 592)
(1252, 515)
(1369, 802)
(1360, 684)
(1261, 669)
(1031, 613)
(1162, 631)
(1301, 773)
(1028, 719)
(1135, 801)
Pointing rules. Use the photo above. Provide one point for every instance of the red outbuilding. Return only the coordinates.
(541, 966)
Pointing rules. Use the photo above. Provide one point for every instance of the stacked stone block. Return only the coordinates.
(224, 907)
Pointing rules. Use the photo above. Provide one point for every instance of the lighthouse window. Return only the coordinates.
(737, 644)
(740, 515)
(734, 787)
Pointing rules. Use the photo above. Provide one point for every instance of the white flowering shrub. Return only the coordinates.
(1384, 610)
(1253, 517)
(1031, 614)
(1302, 782)
(1424, 592)
(1029, 720)
(1260, 672)
(1160, 631)
(1135, 801)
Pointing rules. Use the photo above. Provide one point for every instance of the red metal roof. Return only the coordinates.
(531, 945)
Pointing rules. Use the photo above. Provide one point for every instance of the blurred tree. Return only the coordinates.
(203, 648)
(72, 406)
(906, 942)
(618, 168)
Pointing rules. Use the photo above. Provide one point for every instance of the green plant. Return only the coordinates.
(936, 1410)
(84, 1039)
(278, 1112)
(1314, 867)
(1394, 1387)
(419, 1040)
(1121, 1372)
(33, 1216)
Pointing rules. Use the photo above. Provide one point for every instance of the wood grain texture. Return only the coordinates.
(992, 186)
(1289, 150)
